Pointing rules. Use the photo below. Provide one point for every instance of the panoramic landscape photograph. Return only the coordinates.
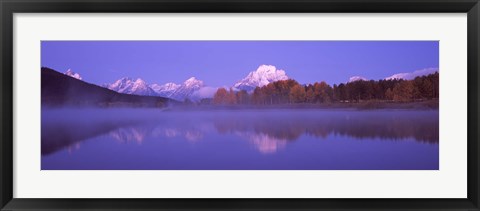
(239, 105)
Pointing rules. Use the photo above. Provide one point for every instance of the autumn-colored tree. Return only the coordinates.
(220, 96)
(341, 92)
(323, 92)
(290, 83)
(242, 97)
(334, 93)
(281, 91)
(310, 94)
(258, 96)
(389, 94)
(270, 93)
(231, 97)
(418, 88)
(435, 83)
(297, 94)
(428, 89)
(403, 91)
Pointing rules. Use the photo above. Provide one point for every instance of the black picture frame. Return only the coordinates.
(9, 7)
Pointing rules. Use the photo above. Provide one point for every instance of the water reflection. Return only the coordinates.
(267, 131)
(422, 126)
(264, 143)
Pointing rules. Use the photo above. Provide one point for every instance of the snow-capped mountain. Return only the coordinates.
(165, 90)
(72, 74)
(357, 78)
(264, 75)
(187, 89)
(179, 91)
(130, 86)
(412, 75)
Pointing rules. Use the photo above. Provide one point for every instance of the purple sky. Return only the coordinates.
(222, 63)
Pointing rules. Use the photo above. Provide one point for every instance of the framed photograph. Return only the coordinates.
(252, 105)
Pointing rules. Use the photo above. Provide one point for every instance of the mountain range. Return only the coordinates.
(179, 92)
(130, 86)
(195, 89)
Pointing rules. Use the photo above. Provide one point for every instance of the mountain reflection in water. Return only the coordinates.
(267, 132)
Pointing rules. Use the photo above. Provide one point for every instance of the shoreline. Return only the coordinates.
(367, 105)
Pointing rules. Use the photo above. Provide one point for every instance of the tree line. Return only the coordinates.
(291, 92)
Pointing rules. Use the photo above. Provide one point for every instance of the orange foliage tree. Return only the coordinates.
(220, 96)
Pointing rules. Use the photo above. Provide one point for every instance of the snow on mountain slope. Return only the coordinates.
(165, 90)
(412, 75)
(187, 89)
(129, 86)
(357, 78)
(72, 74)
(264, 75)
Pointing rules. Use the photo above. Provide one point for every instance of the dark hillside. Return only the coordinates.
(61, 90)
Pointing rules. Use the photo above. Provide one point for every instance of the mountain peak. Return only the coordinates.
(357, 78)
(140, 81)
(72, 74)
(165, 90)
(192, 81)
(124, 79)
(129, 86)
(264, 68)
(262, 76)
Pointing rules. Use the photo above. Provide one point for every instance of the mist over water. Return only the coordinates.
(244, 139)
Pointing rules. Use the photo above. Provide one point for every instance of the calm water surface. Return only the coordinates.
(122, 139)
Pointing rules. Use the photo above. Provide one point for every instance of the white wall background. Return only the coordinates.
(448, 182)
